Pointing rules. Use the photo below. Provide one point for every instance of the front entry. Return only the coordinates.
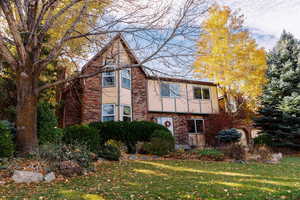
(166, 122)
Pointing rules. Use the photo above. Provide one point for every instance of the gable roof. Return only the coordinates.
(135, 59)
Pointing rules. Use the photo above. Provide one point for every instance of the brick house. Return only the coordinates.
(132, 94)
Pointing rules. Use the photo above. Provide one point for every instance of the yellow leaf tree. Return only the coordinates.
(229, 56)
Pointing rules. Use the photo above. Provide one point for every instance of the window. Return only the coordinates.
(109, 62)
(195, 126)
(126, 78)
(169, 90)
(126, 114)
(108, 79)
(108, 112)
(201, 93)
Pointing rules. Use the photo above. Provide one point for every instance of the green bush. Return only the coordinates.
(161, 143)
(211, 154)
(57, 153)
(47, 124)
(229, 136)
(84, 135)
(128, 133)
(109, 152)
(263, 139)
(7, 147)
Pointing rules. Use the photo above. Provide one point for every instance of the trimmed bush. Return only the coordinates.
(84, 135)
(161, 143)
(47, 124)
(109, 152)
(128, 133)
(7, 147)
(229, 136)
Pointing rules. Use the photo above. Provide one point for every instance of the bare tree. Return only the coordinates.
(25, 24)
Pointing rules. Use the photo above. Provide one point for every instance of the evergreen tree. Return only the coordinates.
(280, 102)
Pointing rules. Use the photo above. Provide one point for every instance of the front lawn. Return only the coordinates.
(172, 180)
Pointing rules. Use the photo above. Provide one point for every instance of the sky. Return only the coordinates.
(266, 19)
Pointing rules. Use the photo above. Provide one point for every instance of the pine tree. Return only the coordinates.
(280, 102)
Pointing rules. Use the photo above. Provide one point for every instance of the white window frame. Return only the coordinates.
(172, 93)
(109, 115)
(105, 75)
(202, 98)
(122, 112)
(195, 124)
(128, 78)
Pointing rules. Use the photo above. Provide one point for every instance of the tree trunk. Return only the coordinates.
(26, 123)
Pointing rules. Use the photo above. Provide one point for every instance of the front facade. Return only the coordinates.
(131, 94)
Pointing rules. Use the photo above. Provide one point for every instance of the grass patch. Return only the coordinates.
(172, 180)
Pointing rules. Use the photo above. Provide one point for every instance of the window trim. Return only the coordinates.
(122, 112)
(171, 93)
(110, 115)
(209, 90)
(129, 88)
(195, 124)
(106, 76)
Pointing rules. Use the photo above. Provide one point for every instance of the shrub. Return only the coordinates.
(235, 151)
(109, 152)
(7, 147)
(47, 124)
(161, 143)
(128, 133)
(211, 154)
(57, 153)
(229, 135)
(263, 139)
(84, 135)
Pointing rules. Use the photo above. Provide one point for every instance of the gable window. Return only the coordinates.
(169, 90)
(126, 113)
(126, 78)
(108, 112)
(201, 93)
(195, 126)
(108, 79)
(109, 62)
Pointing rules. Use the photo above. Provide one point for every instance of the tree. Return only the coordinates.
(26, 26)
(228, 55)
(280, 109)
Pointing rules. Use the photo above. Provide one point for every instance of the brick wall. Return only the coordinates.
(179, 124)
(139, 95)
(71, 111)
(91, 94)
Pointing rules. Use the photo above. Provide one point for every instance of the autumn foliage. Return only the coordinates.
(228, 55)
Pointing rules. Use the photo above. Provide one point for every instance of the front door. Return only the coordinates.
(166, 122)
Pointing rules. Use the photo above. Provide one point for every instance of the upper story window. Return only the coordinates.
(108, 79)
(195, 126)
(169, 90)
(108, 112)
(201, 93)
(126, 78)
(126, 113)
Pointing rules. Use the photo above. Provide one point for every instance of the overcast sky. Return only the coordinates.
(268, 18)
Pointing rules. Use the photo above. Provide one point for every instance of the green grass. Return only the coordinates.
(172, 180)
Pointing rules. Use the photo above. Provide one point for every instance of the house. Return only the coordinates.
(132, 94)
